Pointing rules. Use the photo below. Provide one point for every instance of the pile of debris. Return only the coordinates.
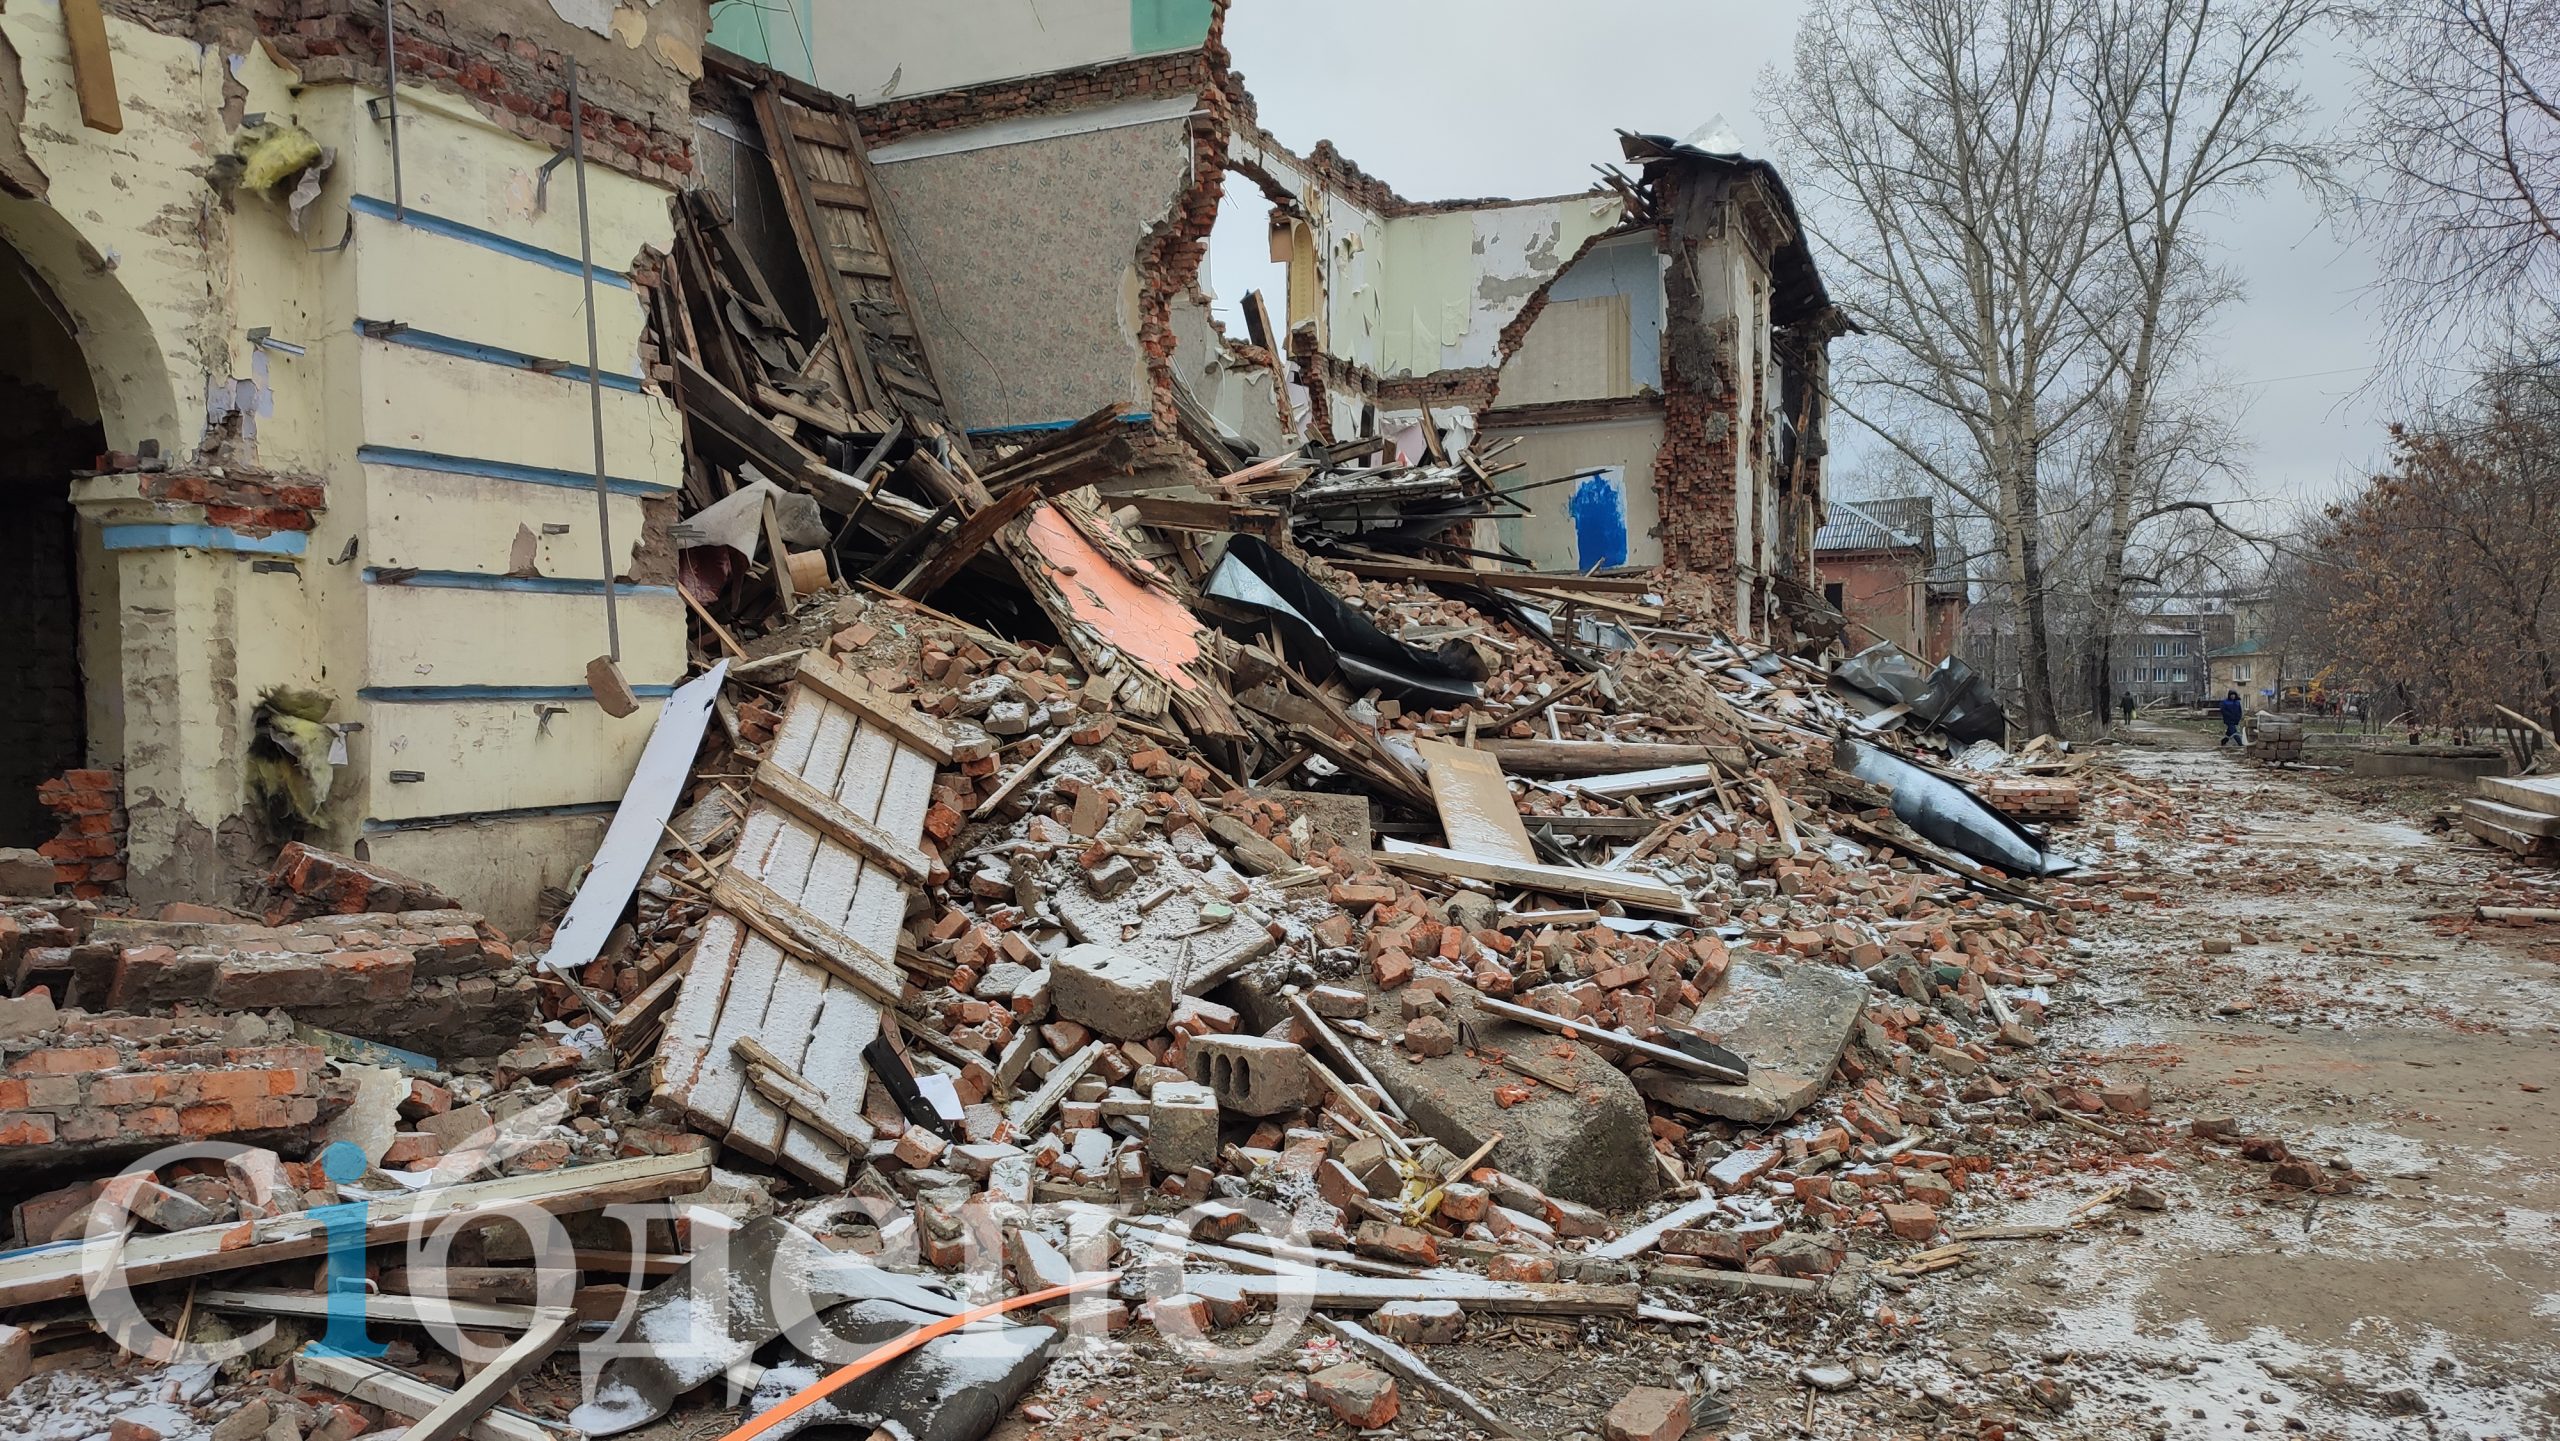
(1254, 898)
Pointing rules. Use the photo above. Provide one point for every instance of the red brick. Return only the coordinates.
(1648, 1413)
(1361, 1395)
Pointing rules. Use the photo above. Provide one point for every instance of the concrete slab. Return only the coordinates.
(1591, 1144)
(1789, 1021)
(1167, 936)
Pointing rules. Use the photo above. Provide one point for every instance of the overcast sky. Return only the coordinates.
(1449, 98)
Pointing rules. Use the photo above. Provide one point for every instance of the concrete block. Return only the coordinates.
(1182, 1126)
(1110, 993)
(1255, 1075)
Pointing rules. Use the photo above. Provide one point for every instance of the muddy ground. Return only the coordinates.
(2359, 1015)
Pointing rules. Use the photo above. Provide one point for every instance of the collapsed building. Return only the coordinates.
(956, 731)
(360, 450)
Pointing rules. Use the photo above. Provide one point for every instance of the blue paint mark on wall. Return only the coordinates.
(1599, 511)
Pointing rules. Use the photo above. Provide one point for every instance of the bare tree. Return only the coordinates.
(2463, 120)
(1962, 201)
(2198, 98)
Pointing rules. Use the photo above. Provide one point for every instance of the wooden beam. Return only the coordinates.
(53, 1275)
(898, 717)
(391, 1310)
(837, 822)
(1022, 776)
(1611, 1036)
(403, 1394)
(93, 69)
(1600, 758)
(945, 557)
(1617, 886)
(1498, 579)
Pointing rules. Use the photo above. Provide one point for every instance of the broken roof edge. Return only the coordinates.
(1795, 280)
(1327, 165)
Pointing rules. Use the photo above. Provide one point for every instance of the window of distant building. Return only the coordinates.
(1835, 593)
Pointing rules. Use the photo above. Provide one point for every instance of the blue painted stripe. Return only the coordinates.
(525, 813)
(442, 694)
(201, 537)
(482, 580)
(1135, 417)
(460, 349)
(417, 219)
(504, 470)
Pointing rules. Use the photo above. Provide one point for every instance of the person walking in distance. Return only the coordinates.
(2231, 722)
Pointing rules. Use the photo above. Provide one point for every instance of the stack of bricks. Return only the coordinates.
(88, 852)
(307, 881)
(88, 1088)
(442, 981)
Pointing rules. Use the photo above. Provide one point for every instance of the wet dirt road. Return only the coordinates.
(2359, 1018)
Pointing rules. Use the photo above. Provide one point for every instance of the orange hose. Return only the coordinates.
(883, 1354)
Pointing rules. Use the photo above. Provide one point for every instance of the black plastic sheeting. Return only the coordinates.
(1947, 813)
(1952, 697)
(1324, 637)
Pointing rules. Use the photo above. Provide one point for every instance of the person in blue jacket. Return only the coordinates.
(2231, 720)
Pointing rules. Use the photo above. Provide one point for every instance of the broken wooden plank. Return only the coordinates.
(1606, 758)
(1611, 1036)
(52, 1275)
(93, 68)
(795, 1094)
(402, 1394)
(898, 717)
(479, 1395)
(1617, 886)
(1028, 1112)
(1733, 1280)
(1411, 1368)
(1477, 813)
(1649, 1235)
(1345, 1291)
(838, 823)
(1022, 776)
(801, 934)
(391, 1310)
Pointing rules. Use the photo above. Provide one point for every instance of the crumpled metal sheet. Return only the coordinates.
(1949, 814)
(1951, 696)
(1323, 636)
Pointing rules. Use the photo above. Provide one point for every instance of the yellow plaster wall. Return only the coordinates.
(121, 237)
(422, 635)
(495, 755)
(165, 276)
(431, 520)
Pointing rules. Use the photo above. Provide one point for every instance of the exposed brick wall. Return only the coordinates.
(481, 50)
(1338, 173)
(1169, 257)
(241, 498)
(1693, 482)
(1144, 77)
(87, 851)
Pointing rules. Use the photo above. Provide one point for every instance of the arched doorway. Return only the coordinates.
(49, 427)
